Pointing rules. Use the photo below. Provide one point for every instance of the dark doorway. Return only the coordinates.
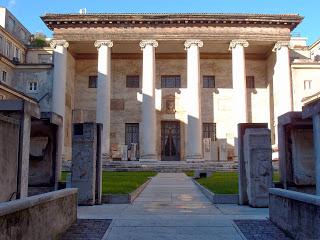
(170, 141)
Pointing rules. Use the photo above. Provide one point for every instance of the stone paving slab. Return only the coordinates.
(87, 229)
(260, 230)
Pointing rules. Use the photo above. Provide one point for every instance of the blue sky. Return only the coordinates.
(28, 11)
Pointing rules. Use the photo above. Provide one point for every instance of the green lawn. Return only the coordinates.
(223, 182)
(120, 182)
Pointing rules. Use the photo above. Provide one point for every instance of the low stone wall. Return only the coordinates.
(44, 216)
(296, 213)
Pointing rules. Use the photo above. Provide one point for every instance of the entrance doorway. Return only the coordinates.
(170, 141)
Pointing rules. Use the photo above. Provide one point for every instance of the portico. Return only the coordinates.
(149, 72)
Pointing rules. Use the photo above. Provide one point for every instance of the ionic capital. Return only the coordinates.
(144, 43)
(189, 42)
(234, 43)
(281, 44)
(54, 43)
(100, 43)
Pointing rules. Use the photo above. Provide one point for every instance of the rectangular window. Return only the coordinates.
(45, 58)
(307, 84)
(4, 76)
(1, 42)
(209, 131)
(32, 87)
(132, 81)
(209, 81)
(93, 81)
(170, 81)
(132, 133)
(250, 82)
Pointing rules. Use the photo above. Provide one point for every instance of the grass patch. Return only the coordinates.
(276, 176)
(123, 182)
(221, 182)
(119, 182)
(189, 173)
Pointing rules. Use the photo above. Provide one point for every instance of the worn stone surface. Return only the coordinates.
(84, 162)
(258, 164)
(243, 196)
(57, 211)
(296, 213)
(260, 230)
(87, 229)
(303, 160)
(9, 145)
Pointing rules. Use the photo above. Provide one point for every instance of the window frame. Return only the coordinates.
(307, 85)
(33, 86)
(92, 81)
(127, 132)
(165, 78)
(207, 82)
(132, 81)
(4, 76)
(210, 131)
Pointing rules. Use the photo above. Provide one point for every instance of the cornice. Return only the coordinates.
(162, 19)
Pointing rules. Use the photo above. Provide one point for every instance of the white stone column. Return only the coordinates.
(104, 93)
(282, 93)
(240, 112)
(148, 124)
(59, 94)
(194, 125)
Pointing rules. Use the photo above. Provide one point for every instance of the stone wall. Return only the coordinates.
(296, 213)
(44, 216)
(217, 104)
(9, 144)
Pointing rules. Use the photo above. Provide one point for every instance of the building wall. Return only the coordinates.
(9, 69)
(217, 104)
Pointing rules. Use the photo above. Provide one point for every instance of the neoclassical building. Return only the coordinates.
(169, 87)
(168, 81)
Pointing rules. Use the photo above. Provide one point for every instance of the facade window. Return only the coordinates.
(32, 87)
(250, 82)
(170, 81)
(209, 131)
(45, 58)
(1, 44)
(132, 81)
(4, 76)
(93, 81)
(132, 134)
(307, 84)
(209, 81)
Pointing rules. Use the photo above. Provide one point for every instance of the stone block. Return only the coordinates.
(117, 104)
(296, 213)
(207, 149)
(85, 170)
(214, 151)
(258, 165)
(243, 198)
(124, 152)
(223, 149)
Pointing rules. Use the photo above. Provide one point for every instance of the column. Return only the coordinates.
(194, 125)
(59, 94)
(240, 111)
(148, 124)
(239, 80)
(282, 96)
(104, 93)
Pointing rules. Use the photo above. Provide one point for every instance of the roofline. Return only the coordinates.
(17, 93)
(53, 20)
(314, 44)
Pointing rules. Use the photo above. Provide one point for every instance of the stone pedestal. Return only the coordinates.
(258, 164)
(124, 152)
(134, 152)
(86, 162)
(214, 150)
(242, 127)
(223, 149)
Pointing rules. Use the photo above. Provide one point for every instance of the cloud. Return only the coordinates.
(11, 3)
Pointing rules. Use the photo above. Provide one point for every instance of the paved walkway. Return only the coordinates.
(172, 207)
